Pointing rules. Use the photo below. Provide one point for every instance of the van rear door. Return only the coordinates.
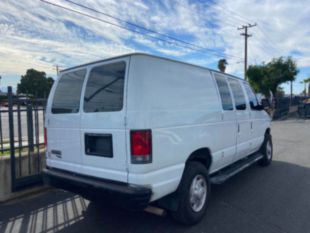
(103, 135)
(63, 122)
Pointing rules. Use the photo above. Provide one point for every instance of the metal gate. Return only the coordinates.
(26, 139)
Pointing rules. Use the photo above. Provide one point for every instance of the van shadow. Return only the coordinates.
(272, 199)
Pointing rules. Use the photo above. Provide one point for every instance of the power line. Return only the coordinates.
(234, 13)
(146, 29)
(237, 18)
(267, 51)
(261, 31)
(133, 24)
(142, 33)
(232, 19)
(269, 40)
(261, 42)
(215, 5)
(246, 36)
(57, 68)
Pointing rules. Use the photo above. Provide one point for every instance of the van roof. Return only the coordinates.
(149, 55)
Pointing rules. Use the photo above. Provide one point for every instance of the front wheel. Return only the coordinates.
(193, 194)
(267, 151)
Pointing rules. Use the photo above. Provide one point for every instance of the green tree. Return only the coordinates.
(221, 65)
(35, 83)
(268, 77)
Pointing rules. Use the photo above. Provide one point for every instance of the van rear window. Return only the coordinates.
(105, 88)
(68, 92)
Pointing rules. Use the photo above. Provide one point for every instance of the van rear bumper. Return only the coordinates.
(129, 196)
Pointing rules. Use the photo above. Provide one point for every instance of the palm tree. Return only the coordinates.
(221, 65)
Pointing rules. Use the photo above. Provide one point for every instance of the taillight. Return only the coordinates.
(141, 146)
(45, 137)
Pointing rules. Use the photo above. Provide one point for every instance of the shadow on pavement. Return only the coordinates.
(272, 199)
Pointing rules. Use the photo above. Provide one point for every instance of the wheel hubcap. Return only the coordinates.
(268, 150)
(198, 193)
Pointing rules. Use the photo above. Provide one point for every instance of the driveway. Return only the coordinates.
(272, 199)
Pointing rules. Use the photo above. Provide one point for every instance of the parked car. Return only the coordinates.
(5, 104)
(146, 130)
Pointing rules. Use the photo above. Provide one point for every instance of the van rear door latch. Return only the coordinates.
(57, 153)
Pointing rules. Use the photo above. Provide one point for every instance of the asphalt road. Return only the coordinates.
(272, 199)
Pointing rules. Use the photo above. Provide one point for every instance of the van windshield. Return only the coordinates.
(105, 88)
(68, 92)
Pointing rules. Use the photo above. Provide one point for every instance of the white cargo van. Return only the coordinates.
(142, 129)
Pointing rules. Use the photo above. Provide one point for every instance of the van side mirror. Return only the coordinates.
(265, 103)
(257, 107)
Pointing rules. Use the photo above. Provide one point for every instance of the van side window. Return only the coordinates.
(68, 92)
(238, 94)
(252, 98)
(224, 92)
(105, 88)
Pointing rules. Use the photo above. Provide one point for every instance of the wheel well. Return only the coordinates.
(203, 156)
(171, 201)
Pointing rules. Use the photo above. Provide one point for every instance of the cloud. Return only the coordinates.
(281, 29)
(33, 33)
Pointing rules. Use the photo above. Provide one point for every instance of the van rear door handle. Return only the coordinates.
(238, 128)
(57, 153)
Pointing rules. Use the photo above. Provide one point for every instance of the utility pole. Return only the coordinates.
(291, 97)
(246, 36)
(57, 69)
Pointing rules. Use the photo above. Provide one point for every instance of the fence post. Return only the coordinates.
(30, 128)
(11, 132)
(30, 136)
(1, 136)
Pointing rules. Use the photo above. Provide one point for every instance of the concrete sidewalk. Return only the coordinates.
(263, 200)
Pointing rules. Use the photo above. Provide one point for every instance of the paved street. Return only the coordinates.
(273, 199)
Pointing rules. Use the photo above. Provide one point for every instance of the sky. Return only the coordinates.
(36, 34)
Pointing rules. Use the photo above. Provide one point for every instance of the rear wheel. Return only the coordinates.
(193, 194)
(267, 151)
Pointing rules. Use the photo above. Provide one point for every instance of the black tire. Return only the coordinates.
(267, 150)
(185, 212)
